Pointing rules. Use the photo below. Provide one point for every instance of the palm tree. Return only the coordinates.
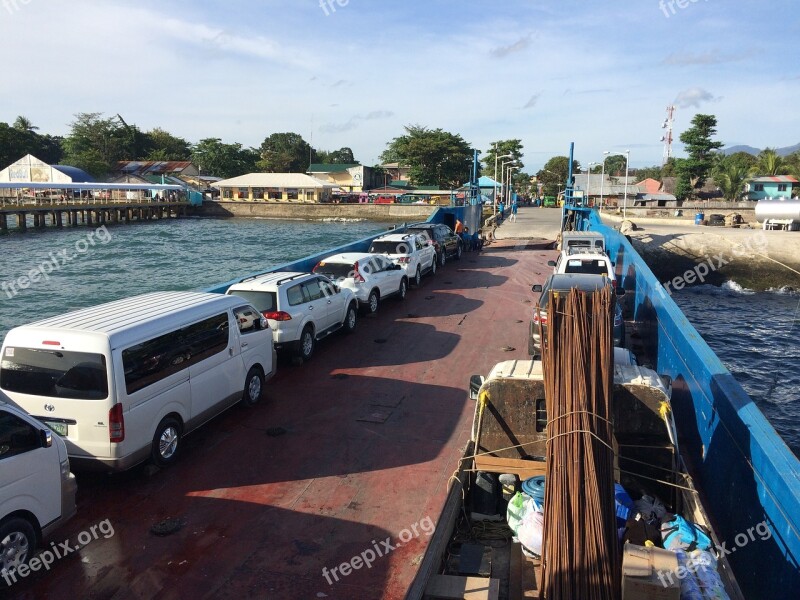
(769, 164)
(24, 124)
(731, 180)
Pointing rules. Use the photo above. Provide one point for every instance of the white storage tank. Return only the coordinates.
(778, 210)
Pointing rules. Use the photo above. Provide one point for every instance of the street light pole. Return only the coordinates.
(603, 179)
(508, 184)
(495, 175)
(588, 181)
(625, 197)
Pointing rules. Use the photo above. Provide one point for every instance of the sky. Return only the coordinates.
(599, 73)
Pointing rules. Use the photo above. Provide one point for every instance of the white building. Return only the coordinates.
(275, 187)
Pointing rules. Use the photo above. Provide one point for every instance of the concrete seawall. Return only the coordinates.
(753, 258)
(318, 212)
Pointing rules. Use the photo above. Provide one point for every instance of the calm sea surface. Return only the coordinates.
(755, 334)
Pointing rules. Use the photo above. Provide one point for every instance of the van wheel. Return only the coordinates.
(306, 343)
(166, 442)
(253, 386)
(433, 266)
(443, 257)
(350, 318)
(17, 544)
(418, 276)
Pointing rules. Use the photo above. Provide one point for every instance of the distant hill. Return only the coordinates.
(754, 151)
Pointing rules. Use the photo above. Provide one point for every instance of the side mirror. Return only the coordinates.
(475, 383)
(536, 288)
(264, 324)
(46, 437)
(551, 263)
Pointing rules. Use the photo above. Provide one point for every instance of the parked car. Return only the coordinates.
(584, 260)
(37, 489)
(564, 283)
(446, 243)
(371, 277)
(302, 308)
(125, 381)
(411, 251)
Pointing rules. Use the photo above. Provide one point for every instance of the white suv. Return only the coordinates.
(371, 276)
(301, 308)
(583, 260)
(409, 250)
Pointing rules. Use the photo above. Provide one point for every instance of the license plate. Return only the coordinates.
(59, 428)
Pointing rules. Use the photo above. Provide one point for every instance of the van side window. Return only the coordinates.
(160, 357)
(248, 318)
(16, 436)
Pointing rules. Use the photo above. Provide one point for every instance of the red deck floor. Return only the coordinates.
(264, 515)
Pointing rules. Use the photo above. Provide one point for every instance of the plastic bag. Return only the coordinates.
(518, 506)
(530, 531)
(679, 534)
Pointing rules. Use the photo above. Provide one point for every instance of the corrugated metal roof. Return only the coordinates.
(775, 179)
(330, 167)
(155, 167)
(77, 175)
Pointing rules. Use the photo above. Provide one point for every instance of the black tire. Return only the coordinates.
(350, 318)
(403, 289)
(373, 301)
(17, 544)
(305, 348)
(433, 266)
(443, 257)
(418, 277)
(253, 386)
(166, 442)
(459, 250)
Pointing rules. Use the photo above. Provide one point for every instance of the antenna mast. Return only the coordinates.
(667, 137)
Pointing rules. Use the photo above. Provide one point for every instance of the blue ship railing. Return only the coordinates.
(744, 470)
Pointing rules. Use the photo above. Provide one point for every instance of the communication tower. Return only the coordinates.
(667, 137)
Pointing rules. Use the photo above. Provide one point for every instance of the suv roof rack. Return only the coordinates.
(290, 278)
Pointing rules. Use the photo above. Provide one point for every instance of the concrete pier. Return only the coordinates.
(72, 215)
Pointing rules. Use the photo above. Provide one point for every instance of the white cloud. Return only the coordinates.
(694, 97)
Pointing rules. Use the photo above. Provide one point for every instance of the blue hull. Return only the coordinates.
(746, 473)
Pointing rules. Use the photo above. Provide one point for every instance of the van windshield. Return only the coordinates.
(54, 373)
(335, 270)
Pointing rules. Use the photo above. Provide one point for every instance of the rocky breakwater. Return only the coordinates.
(680, 253)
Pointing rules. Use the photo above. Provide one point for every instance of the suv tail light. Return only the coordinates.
(277, 315)
(116, 424)
(540, 318)
(357, 277)
(404, 260)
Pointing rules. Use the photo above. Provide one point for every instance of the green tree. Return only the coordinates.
(653, 172)
(284, 153)
(731, 179)
(700, 148)
(615, 165)
(342, 156)
(162, 145)
(769, 163)
(213, 157)
(502, 148)
(683, 184)
(668, 170)
(738, 159)
(555, 172)
(24, 124)
(96, 144)
(434, 156)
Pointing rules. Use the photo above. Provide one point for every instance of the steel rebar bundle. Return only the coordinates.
(580, 554)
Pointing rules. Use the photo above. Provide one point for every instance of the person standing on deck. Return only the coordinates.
(513, 217)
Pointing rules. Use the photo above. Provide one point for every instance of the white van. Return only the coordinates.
(581, 241)
(124, 381)
(37, 490)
